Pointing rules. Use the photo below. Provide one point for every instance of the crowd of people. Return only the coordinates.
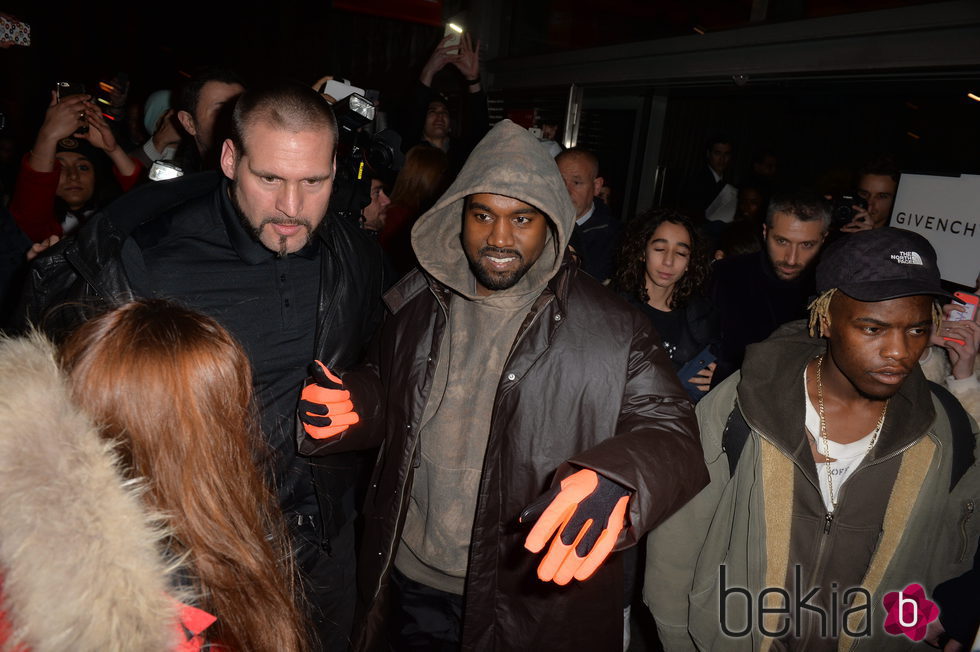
(480, 411)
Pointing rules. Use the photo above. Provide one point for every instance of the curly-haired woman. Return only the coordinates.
(663, 268)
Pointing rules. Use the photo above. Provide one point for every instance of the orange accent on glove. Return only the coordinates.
(588, 513)
(325, 407)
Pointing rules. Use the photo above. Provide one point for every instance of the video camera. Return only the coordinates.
(361, 156)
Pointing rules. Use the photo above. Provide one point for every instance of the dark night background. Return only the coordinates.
(820, 127)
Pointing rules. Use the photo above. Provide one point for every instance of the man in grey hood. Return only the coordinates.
(515, 391)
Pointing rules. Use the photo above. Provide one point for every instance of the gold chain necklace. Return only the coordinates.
(826, 442)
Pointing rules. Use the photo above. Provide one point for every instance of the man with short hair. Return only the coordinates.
(521, 399)
(596, 235)
(703, 186)
(201, 103)
(755, 293)
(877, 184)
(254, 249)
(374, 214)
(841, 486)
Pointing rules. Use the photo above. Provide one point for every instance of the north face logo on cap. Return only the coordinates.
(907, 258)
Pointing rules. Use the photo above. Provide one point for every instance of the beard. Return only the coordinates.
(492, 280)
(256, 230)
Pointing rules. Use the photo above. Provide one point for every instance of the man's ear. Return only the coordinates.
(229, 158)
(597, 186)
(187, 122)
(765, 231)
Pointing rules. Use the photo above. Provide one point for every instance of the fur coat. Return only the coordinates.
(80, 558)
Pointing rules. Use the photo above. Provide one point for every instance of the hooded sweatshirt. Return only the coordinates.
(480, 333)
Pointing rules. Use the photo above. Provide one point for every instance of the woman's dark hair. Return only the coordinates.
(630, 277)
(422, 178)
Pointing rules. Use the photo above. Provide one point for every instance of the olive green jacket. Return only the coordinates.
(923, 531)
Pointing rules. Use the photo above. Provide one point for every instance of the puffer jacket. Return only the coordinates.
(80, 557)
(586, 385)
(906, 514)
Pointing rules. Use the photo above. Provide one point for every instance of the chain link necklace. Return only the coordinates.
(826, 442)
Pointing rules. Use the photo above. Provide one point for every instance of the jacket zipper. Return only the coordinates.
(829, 516)
(828, 526)
(969, 509)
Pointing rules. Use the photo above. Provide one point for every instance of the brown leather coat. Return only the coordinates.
(586, 384)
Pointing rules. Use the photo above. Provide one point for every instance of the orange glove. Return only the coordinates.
(325, 407)
(589, 512)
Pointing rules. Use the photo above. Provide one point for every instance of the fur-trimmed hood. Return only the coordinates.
(80, 556)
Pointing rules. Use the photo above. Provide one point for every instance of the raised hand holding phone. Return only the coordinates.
(959, 334)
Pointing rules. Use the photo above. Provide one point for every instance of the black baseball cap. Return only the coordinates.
(880, 264)
(79, 146)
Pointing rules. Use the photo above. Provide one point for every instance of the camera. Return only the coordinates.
(842, 208)
(361, 156)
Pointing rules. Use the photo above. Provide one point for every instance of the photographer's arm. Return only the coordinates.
(476, 123)
(32, 202)
(101, 136)
(61, 119)
(442, 55)
(468, 63)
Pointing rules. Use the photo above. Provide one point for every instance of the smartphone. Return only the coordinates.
(969, 311)
(969, 302)
(691, 369)
(455, 32)
(65, 89)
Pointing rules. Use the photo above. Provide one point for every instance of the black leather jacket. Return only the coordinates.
(83, 275)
